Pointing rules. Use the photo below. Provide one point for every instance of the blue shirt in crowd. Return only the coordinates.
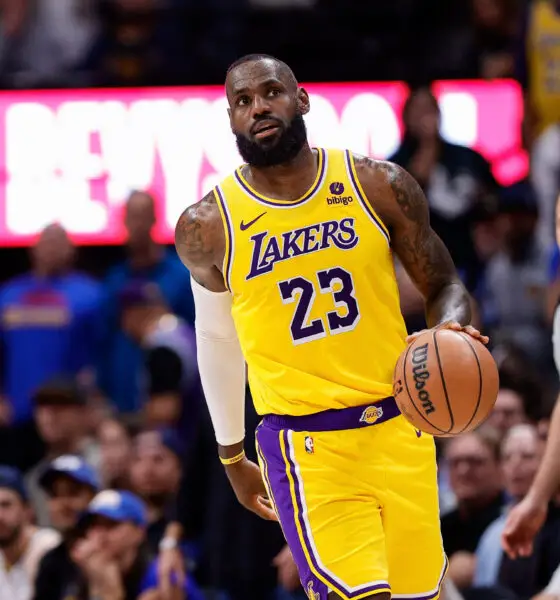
(122, 363)
(150, 581)
(49, 327)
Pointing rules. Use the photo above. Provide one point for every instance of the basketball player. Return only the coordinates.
(292, 265)
(526, 519)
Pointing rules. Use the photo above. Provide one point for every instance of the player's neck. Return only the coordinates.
(287, 180)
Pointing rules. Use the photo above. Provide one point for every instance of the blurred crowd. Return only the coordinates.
(109, 460)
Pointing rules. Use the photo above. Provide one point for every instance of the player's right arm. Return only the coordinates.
(200, 244)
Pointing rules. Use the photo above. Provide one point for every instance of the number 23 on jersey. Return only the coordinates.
(335, 281)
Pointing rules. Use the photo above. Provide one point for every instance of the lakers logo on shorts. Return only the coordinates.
(311, 593)
(371, 414)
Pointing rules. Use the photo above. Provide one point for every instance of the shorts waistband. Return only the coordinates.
(354, 417)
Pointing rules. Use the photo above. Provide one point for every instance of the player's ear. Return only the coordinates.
(229, 115)
(303, 101)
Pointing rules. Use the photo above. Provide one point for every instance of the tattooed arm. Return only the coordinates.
(200, 243)
(398, 200)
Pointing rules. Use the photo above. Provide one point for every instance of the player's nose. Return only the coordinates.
(261, 106)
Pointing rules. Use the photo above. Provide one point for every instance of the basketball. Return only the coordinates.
(445, 382)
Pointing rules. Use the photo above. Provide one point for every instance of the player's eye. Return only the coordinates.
(243, 101)
(274, 92)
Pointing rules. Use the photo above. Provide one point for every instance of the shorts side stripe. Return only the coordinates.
(266, 479)
(306, 537)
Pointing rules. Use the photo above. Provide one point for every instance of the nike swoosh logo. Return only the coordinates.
(243, 226)
(418, 433)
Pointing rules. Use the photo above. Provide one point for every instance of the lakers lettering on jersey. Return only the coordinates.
(315, 299)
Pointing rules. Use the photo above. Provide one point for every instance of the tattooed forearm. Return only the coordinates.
(420, 249)
(193, 234)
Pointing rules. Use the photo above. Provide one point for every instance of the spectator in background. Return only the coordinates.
(172, 394)
(516, 279)
(147, 262)
(495, 28)
(22, 545)
(475, 477)
(509, 411)
(70, 485)
(51, 307)
(538, 62)
(155, 475)
(61, 413)
(54, 37)
(141, 44)
(520, 456)
(545, 179)
(454, 178)
(115, 446)
(112, 556)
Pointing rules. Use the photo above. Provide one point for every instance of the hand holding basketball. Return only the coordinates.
(446, 381)
(453, 325)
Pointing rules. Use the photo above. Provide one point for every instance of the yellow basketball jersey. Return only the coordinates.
(315, 299)
(543, 60)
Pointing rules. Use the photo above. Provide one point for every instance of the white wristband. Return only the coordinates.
(220, 363)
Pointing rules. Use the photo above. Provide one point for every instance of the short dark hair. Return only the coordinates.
(60, 391)
(284, 68)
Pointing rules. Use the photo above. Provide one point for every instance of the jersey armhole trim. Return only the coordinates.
(228, 234)
(361, 195)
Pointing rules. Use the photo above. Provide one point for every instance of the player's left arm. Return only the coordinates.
(399, 201)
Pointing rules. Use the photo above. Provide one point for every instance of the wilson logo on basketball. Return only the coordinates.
(421, 374)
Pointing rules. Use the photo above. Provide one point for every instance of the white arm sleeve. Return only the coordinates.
(221, 364)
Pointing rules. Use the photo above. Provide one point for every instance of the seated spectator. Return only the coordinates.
(61, 413)
(173, 394)
(112, 557)
(70, 484)
(475, 478)
(516, 278)
(520, 456)
(155, 475)
(115, 446)
(508, 411)
(22, 545)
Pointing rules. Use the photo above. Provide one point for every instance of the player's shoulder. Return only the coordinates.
(379, 170)
(199, 213)
(199, 232)
(379, 178)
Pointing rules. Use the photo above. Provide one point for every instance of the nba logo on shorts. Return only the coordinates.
(311, 593)
(371, 414)
(309, 446)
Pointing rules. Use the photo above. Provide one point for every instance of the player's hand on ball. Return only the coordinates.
(522, 525)
(247, 483)
(455, 326)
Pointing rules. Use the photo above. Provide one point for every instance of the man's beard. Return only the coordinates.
(279, 151)
(7, 540)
